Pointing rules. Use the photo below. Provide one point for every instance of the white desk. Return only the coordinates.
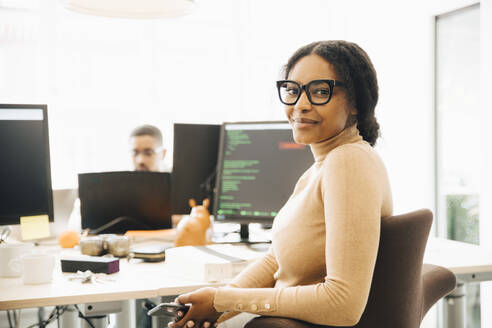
(144, 280)
(134, 280)
(470, 263)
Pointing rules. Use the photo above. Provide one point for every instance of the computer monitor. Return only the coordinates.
(115, 202)
(258, 166)
(25, 174)
(194, 164)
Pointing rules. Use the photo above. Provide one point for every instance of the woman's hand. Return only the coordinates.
(202, 312)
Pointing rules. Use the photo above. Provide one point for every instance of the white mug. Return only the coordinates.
(9, 252)
(35, 268)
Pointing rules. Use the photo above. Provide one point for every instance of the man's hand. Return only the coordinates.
(202, 312)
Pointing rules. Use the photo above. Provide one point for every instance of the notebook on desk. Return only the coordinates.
(115, 202)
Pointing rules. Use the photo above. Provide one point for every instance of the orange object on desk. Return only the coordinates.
(69, 239)
(195, 230)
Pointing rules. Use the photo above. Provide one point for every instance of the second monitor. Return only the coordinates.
(194, 164)
(258, 166)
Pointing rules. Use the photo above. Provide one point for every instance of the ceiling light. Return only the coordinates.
(132, 8)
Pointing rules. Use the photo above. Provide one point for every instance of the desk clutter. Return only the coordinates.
(211, 263)
(187, 250)
(22, 260)
(95, 264)
(196, 229)
(5, 233)
(115, 245)
(9, 252)
(89, 277)
(149, 253)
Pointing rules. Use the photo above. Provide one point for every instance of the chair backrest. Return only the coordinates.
(395, 299)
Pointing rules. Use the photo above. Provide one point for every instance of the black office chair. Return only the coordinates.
(403, 289)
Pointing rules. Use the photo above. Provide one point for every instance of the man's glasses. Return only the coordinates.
(147, 152)
(319, 92)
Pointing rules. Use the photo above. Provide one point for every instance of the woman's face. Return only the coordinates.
(315, 123)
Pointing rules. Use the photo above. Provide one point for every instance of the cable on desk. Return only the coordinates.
(54, 315)
(81, 315)
(148, 305)
(116, 221)
(14, 317)
(10, 320)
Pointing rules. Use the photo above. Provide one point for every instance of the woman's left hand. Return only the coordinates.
(202, 308)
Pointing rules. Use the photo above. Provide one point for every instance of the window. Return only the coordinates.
(457, 108)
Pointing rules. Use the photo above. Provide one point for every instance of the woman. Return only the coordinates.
(325, 238)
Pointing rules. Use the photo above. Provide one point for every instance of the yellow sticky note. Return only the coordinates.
(35, 227)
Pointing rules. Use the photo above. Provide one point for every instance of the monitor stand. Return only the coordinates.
(244, 237)
(244, 232)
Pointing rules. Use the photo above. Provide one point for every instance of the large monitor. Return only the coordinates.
(194, 164)
(25, 174)
(115, 202)
(258, 166)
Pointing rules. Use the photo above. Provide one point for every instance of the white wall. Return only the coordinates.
(399, 41)
(102, 76)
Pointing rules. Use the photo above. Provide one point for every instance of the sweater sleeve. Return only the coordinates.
(259, 274)
(351, 193)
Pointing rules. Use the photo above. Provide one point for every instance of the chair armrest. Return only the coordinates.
(437, 282)
(277, 322)
(280, 322)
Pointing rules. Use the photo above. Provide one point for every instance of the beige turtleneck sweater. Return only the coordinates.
(324, 240)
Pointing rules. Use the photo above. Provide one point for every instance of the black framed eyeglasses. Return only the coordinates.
(319, 92)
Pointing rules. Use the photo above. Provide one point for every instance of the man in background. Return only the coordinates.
(148, 154)
(147, 149)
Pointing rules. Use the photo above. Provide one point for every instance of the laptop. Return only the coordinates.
(114, 202)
